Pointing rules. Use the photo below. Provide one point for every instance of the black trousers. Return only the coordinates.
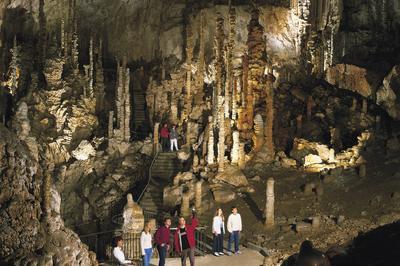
(164, 144)
(162, 253)
(218, 243)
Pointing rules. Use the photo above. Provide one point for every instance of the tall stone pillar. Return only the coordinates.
(242, 156)
(210, 148)
(110, 124)
(127, 107)
(155, 137)
(198, 194)
(235, 148)
(185, 204)
(221, 138)
(269, 205)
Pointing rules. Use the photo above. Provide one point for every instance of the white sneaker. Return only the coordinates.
(229, 253)
(216, 254)
(221, 253)
(238, 252)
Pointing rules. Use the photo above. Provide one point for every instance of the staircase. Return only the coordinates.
(139, 103)
(152, 199)
(166, 166)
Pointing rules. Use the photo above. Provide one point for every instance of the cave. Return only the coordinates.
(117, 115)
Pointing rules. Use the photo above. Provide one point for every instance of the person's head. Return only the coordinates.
(167, 222)
(306, 246)
(182, 222)
(147, 228)
(219, 212)
(234, 209)
(118, 241)
(174, 126)
(165, 125)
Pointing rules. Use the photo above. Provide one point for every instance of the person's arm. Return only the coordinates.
(142, 239)
(195, 222)
(214, 226)
(228, 224)
(240, 223)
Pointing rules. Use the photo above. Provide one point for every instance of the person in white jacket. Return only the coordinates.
(234, 226)
(218, 230)
(146, 245)
(118, 253)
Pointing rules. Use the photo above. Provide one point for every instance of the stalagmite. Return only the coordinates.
(242, 156)
(269, 123)
(258, 137)
(354, 105)
(91, 69)
(111, 124)
(155, 138)
(364, 108)
(234, 99)
(99, 85)
(235, 148)
(185, 204)
(62, 26)
(127, 107)
(210, 148)
(198, 194)
(269, 204)
(74, 50)
(221, 136)
(14, 69)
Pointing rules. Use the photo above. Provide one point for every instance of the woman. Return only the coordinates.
(218, 229)
(146, 245)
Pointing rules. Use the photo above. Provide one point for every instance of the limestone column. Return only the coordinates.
(269, 205)
(269, 123)
(110, 124)
(185, 204)
(127, 107)
(219, 47)
(221, 138)
(91, 68)
(155, 137)
(198, 194)
(364, 108)
(258, 137)
(210, 148)
(235, 148)
(354, 105)
(310, 103)
(242, 156)
(229, 56)
(75, 51)
(234, 99)
(201, 63)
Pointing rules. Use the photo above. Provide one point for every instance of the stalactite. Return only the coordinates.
(63, 48)
(188, 98)
(219, 47)
(235, 99)
(201, 60)
(210, 148)
(99, 82)
(74, 49)
(14, 69)
(110, 124)
(269, 123)
(235, 148)
(42, 36)
(229, 65)
(246, 96)
(221, 135)
(91, 69)
(127, 107)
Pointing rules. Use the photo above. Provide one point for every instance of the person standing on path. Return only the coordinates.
(173, 135)
(234, 226)
(146, 245)
(164, 135)
(218, 230)
(184, 239)
(162, 240)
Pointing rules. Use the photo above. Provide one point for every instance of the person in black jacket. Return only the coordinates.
(309, 256)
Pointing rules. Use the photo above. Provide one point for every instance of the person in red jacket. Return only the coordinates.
(164, 134)
(184, 240)
(162, 240)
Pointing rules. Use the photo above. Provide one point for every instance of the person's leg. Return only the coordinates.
(230, 239)
(147, 257)
(176, 144)
(162, 253)
(236, 236)
(191, 256)
(184, 256)
(215, 243)
(221, 243)
(172, 144)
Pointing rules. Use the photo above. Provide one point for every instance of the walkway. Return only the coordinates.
(247, 258)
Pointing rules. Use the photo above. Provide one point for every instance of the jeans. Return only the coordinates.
(147, 256)
(218, 243)
(233, 237)
(162, 253)
(189, 252)
(174, 142)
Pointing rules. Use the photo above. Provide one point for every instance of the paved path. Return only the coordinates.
(247, 258)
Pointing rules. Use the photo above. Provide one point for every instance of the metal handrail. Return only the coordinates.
(149, 175)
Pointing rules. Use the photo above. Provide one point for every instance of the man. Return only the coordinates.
(164, 134)
(162, 240)
(234, 227)
(184, 239)
(174, 138)
(118, 253)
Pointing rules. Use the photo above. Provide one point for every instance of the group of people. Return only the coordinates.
(169, 135)
(184, 239)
